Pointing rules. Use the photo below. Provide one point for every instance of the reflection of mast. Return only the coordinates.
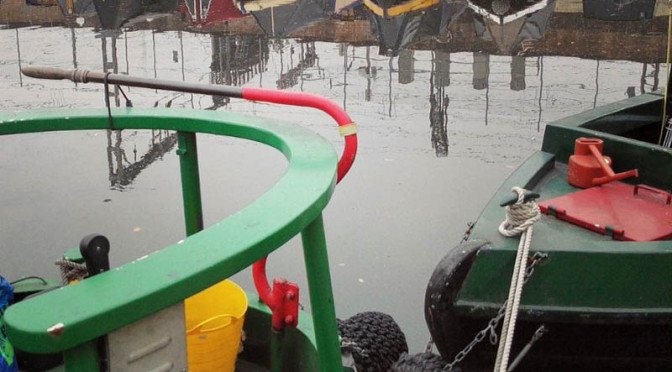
(541, 89)
(18, 56)
(367, 92)
(74, 47)
(389, 89)
(597, 82)
(345, 74)
(438, 111)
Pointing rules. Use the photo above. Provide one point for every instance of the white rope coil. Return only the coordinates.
(519, 220)
(520, 215)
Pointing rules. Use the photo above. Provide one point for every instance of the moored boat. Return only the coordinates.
(597, 283)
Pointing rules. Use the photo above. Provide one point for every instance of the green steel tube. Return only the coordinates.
(321, 297)
(191, 185)
(276, 351)
(82, 358)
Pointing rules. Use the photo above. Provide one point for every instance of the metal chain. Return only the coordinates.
(536, 258)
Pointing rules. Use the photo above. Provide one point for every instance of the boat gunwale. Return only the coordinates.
(110, 300)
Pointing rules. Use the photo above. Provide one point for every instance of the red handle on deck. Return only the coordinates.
(282, 299)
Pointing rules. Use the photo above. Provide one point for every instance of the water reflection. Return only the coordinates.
(489, 37)
(449, 100)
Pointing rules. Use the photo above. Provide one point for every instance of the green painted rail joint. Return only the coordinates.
(108, 301)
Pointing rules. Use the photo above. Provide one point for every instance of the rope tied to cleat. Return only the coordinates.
(520, 218)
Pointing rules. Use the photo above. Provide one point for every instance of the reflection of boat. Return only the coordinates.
(405, 28)
(392, 8)
(77, 7)
(510, 22)
(204, 12)
(115, 13)
(619, 10)
(280, 18)
(600, 279)
(42, 2)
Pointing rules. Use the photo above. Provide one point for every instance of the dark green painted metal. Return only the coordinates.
(321, 297)
(82, 358)
(300, 350)
(611, 280)
(276, 350)
(191, 184)
(588, 275)
(98, 305)
(74, 254)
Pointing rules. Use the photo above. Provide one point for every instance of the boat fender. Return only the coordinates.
(444, 284)
(374, 340)
(421, 362)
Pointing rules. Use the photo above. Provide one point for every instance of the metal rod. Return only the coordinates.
(86, 76)
(321, 297)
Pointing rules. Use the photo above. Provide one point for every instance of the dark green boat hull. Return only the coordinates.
(606, 303)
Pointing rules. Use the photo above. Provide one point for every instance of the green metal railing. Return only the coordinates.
(94, 307)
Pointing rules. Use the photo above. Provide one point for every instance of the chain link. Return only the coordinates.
(535, 259)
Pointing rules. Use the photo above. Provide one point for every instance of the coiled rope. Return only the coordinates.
(70, 270)
(519, 220)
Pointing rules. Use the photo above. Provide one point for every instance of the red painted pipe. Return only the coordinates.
(318, 102)
(345, 162)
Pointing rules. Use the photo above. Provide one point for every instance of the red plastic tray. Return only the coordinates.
(638, 213)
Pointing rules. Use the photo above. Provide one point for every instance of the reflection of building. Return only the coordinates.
(236, 60)
(205, 12)
(307, 58)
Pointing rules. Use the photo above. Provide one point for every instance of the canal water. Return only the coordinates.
(448, 100)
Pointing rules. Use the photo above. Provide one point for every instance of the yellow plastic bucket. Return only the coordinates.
(214, 321)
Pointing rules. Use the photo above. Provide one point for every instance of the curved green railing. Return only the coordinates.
(110, 300)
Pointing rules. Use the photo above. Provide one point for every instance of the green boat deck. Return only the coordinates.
(587, 276)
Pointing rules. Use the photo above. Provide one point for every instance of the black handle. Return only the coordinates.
(95, 249)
